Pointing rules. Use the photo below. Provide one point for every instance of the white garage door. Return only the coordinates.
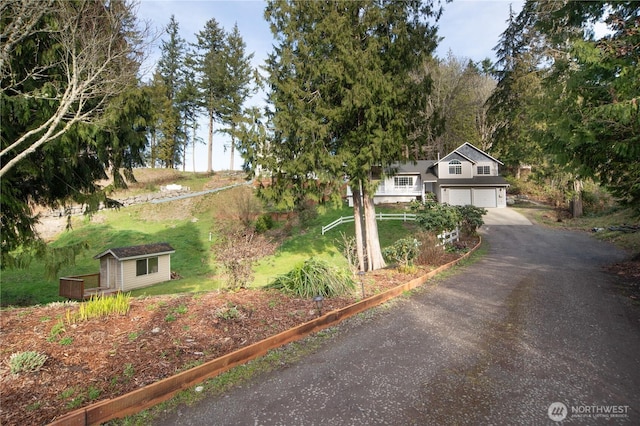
(485, 198)
(460, 197)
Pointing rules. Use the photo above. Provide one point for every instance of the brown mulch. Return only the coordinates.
(158, 337)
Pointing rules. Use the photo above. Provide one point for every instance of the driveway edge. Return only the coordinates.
(155, 393)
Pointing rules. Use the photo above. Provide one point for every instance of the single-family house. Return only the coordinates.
(128, 268)
(465, 176)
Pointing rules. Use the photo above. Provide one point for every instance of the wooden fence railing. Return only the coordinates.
(379, 216)
(75, 287)
(445, 238)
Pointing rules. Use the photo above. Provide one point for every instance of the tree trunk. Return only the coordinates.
(186, 145)
(193, 156)
(154, 143)
(210, 145)
(372, 242)
(233, 144)
(359, 229)
(576, 202)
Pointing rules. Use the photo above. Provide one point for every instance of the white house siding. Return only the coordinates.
(467, 170)
(493, 168)
(387, 193)
(131, 281)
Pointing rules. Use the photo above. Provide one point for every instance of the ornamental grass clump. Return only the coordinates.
(100, 306)
(314, 278)
(28, 361)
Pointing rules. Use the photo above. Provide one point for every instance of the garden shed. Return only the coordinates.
(129, 268)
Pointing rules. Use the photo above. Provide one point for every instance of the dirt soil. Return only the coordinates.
(158, 337)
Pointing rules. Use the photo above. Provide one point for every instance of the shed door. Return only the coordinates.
(113, 272)
(485, 197)
(460, 197)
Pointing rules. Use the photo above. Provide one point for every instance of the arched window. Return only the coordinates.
(455, 167)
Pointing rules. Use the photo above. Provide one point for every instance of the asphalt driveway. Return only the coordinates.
(532, 333)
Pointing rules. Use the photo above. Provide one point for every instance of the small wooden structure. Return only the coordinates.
(82, 287)
(122, 269)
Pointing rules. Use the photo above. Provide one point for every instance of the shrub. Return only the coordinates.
(435, 217)
(238, 251)
(26, 361)
(403, 252)
(471, 219)
(348, 248)
(307, 211)
(430, 252)
(314, 278)
(263, 223)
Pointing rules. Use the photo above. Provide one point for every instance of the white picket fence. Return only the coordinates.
(445, 237)
(379, 216)
(449, 237)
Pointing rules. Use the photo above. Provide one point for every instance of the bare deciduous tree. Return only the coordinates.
(93, 52)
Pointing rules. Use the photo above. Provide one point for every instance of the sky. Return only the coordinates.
(470, 29)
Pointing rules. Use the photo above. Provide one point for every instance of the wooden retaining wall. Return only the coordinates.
(162, 390)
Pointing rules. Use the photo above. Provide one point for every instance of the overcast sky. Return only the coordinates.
(471, 28)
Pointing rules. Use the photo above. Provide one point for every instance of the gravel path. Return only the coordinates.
(535, 322)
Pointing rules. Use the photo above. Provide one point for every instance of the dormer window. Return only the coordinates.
(455, 167)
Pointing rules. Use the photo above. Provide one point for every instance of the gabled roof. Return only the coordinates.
(470, 153)
(132, 252)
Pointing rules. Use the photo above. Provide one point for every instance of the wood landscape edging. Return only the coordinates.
(155, 393)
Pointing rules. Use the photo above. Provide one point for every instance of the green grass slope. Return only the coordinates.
(190, 226)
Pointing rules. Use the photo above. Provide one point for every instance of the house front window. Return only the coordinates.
(484, 170)
(455, 167)
(403, 182)
(146, 266)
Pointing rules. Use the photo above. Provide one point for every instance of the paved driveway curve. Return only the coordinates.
(535, 322)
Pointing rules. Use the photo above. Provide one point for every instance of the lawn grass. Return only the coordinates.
(187, 226)
(545, 215)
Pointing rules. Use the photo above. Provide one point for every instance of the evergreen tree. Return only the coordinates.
(189, 103)
(592, 113)
(241, 83)
(511, 107)
(69, 107)
(341, 96)
(170, 73)
(212, 73)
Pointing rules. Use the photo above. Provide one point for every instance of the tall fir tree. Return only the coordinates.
(511, 107)
(341, 96)
(212, 72)
(189, 104)
(241, 84)
(170, 72)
